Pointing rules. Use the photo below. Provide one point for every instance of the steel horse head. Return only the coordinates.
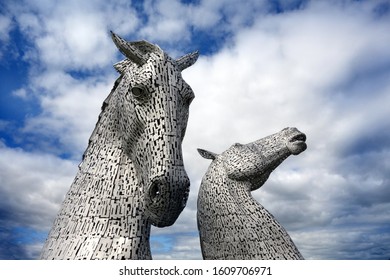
(155, 101)
(132, 175)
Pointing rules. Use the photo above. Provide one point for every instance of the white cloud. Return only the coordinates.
(21, 93)
(32, 187)
(167, 20)
(72, 34)
(171, 21)
(206, 15)
(75, 42)
(5, 27)
(70, 108)
(226, 15)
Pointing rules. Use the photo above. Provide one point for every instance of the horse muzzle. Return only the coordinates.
(165, 198)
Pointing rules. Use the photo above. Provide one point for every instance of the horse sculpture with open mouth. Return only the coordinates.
(231, 223)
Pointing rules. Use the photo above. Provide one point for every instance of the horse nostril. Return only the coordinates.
(163, 192)
(155, 191)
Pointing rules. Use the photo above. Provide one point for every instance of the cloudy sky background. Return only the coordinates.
(320, 66)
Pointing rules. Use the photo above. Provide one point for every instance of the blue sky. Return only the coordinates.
(320, 66)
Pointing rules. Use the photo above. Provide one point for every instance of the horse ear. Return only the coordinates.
(187, 60)
(207, 154)
(129, 49)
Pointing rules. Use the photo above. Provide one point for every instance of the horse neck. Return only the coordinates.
(217, 184)
(107, 161)
(226, 209)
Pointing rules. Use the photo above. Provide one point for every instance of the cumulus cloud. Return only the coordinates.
(171, 21)
(72, 34)
(32, 186)
(70, 107)
(166, 21)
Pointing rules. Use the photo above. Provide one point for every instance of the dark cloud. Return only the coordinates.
(10, 247)
(17, 242)
(371, 141)
(382, 9)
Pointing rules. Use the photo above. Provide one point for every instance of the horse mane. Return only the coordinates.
(104, 106)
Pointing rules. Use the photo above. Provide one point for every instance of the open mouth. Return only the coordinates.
(297, 144)
(298, 138)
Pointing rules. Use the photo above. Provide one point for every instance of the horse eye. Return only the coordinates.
(137, 92)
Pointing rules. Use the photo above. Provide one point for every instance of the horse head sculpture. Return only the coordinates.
(154, 109)
(231, 223)
(132, 175)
